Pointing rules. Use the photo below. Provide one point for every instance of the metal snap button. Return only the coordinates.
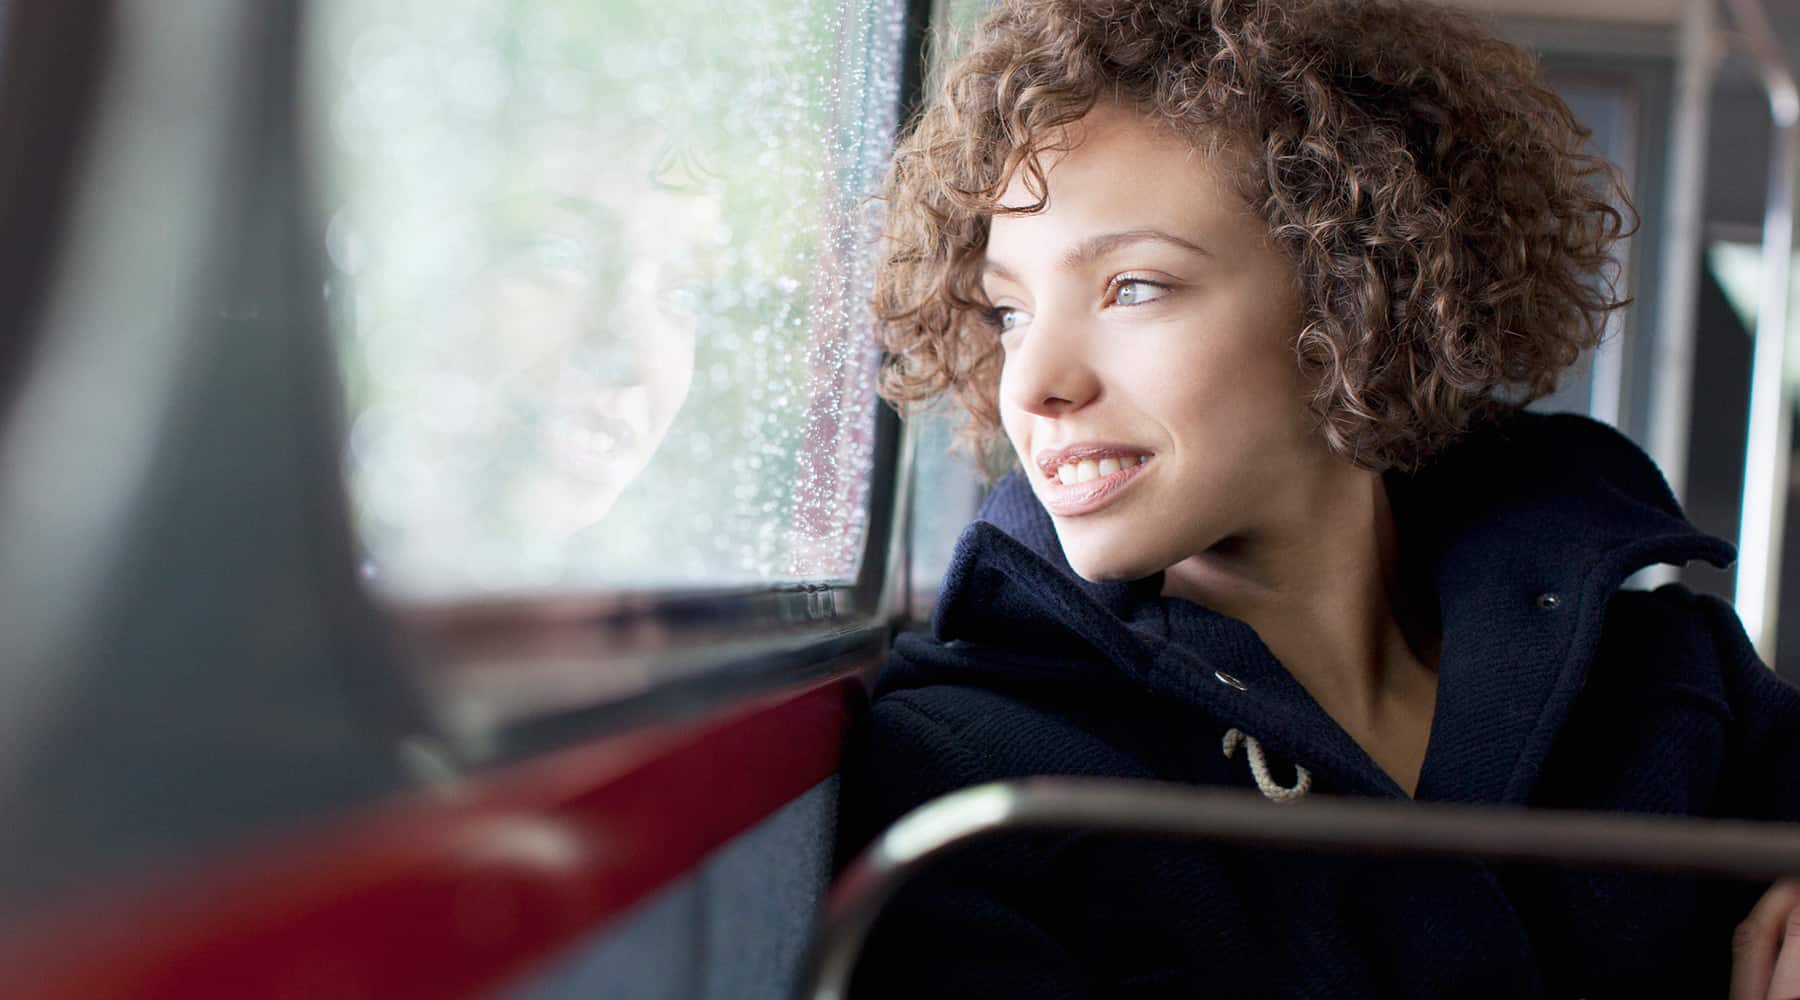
(1549, 601)
(1229, 681)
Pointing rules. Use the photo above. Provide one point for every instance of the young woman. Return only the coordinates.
(1256, 290)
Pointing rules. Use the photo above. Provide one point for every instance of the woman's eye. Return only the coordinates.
(1135, 292)
(1008, 318)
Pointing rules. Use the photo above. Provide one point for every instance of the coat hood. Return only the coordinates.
(1528, 527)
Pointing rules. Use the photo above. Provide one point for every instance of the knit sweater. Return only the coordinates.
(1557, 689)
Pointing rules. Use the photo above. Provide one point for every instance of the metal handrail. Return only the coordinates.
(1766, 452)
(1672, 368)
(922, 838)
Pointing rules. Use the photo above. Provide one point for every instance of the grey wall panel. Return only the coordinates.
(735, 929)
(649, 956)
(761, 895)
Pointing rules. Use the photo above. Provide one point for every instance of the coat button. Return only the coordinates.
(1229, 681)
(1549, 601)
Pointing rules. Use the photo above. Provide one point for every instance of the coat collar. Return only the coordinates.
(1532, 526)
(1528, 527)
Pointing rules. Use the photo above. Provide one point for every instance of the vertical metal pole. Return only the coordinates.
(1672, 372)
(1606, 377)
(1767, 450)
(1606, 372)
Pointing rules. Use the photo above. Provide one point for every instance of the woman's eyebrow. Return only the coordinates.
(991, 268)
(1097, 246)
(1102, 244)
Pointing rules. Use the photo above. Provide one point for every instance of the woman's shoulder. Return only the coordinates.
(999, 690)
(1676, 630)
(948, 716)
(1670, 632)
(969, 731)
(1673, 638)
(1694, 645)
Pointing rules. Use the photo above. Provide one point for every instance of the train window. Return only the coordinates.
(599, 274)
(947, 490)
(948, 481)
(1606, 100)
(1736, 264)
(955, 20)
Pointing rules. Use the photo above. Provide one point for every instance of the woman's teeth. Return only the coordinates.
(1080, 472)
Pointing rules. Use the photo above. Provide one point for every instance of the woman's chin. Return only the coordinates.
(1109, 568)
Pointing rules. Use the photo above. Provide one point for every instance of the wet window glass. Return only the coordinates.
(600, 275)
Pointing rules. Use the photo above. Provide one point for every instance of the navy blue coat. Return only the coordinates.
(1598, 698)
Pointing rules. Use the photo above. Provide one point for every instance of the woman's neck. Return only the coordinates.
(1320, 583)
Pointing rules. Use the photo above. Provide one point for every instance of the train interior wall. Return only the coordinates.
(734, 929)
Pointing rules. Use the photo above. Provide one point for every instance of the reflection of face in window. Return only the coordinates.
(542, 209)
(589, 297)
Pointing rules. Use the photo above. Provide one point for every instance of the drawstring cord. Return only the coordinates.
(1259, 769)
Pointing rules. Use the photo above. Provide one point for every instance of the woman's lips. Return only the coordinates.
(1076, 499)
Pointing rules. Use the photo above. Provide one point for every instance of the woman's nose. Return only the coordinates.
(1048, 373)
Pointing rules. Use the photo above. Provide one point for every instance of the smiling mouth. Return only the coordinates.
(1090, 484)
(1073, 473)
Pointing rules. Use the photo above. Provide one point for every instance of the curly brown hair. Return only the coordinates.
(1452, 240)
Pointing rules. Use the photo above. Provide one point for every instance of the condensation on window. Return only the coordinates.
(600, 273)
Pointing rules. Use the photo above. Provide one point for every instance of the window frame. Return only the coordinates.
(681, 651)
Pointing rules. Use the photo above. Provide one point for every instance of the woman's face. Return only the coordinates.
(1150, 385)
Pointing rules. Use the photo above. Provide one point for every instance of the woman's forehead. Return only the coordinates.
(1119, 172)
